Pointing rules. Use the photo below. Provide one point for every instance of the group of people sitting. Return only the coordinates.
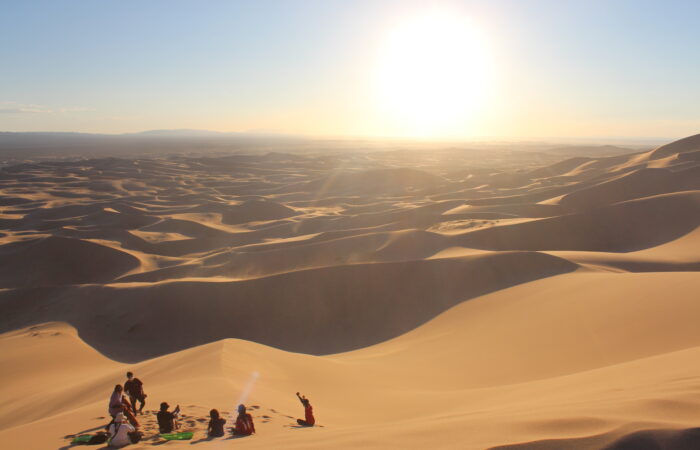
(124, 427)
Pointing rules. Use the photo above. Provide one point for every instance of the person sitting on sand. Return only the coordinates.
(308, 412)
(119, 404)
(134, 389)
(244, 423)
(119, 431)
(167, 421)
(216, 424)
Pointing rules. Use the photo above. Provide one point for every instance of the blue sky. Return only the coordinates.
(558, 68)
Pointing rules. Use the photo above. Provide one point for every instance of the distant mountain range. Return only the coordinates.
(29, 145)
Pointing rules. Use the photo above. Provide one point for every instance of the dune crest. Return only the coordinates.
(426, 297)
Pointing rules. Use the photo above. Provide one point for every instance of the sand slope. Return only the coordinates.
(485, 366)
(451, 299)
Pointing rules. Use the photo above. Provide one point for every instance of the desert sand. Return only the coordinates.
(421, 298)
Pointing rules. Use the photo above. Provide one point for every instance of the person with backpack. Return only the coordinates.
(134, 389)
(119, 431)
(244, 423)
(216, 424)
(308, 412)
(167, 421)
(119, 404)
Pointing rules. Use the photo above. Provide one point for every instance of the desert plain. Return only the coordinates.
(430, 297)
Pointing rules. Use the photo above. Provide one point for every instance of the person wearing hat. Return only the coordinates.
(167, 421)
(119, 431)
(244, 423)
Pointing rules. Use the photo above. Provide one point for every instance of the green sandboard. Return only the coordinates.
(84, 439)
(184, 436)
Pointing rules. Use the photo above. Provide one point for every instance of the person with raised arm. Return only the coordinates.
(167, 421)
(309, 419)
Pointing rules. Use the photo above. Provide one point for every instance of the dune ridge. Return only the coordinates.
(459, 293)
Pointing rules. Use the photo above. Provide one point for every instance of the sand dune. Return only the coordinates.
(589, 392)
(688, 144)
(350, 306)
(451, 298)
(622, 227)
(631, 185)
(55, 261)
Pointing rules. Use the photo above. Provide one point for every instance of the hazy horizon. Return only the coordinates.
(206, 133)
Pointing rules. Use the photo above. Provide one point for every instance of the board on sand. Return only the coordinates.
(83, 439)
(182, 436)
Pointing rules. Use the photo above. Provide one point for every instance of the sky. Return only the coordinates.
(504, 69)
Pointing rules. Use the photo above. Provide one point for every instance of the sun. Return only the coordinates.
(433, 75)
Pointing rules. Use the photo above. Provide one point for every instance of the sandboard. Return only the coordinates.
(182, 436)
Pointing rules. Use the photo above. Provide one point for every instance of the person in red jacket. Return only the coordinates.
(244, 423)
(308, 412)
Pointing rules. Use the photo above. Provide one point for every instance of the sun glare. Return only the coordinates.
(433, 75)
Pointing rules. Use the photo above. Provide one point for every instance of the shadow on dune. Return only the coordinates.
(57, 261)
(317, 311)
(688, 439)
(661, 439)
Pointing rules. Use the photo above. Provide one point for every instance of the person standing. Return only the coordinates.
(134, 389)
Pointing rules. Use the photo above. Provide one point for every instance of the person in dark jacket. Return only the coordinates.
(167, 421)
(216, 424)
(134, 389)
(308, 412)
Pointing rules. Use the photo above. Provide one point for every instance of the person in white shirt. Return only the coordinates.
(119, 431)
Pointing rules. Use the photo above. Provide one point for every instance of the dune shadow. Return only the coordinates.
(663, 439)
(656, 439)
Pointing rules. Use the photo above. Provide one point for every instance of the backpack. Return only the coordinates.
(135, 436)
(96, 439)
